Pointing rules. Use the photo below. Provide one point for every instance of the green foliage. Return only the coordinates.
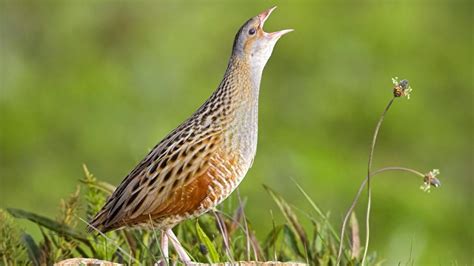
(215, 237)
(102, 82)
(12, 250)
(208, 248)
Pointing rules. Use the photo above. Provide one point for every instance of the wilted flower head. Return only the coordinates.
(402, 88)
(430, 180)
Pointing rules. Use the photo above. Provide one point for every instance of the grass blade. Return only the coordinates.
(290, 239)
(203, 238)
(289, 215)
(34, 252)
(355, 237)
(272, 237)
(318, 210)
(48, 223)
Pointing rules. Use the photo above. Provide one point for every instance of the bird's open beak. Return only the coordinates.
(263, 17)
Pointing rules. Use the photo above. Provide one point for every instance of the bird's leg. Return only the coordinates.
(164, 246)
(177, 246)
(164, 261)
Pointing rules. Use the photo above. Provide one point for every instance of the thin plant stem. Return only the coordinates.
(5, 259)
(251, 241)
(369, 170)
(318, 211)
(359, 192)
(398, 168)
(231, 218)
(369, 167)
(245, 226)
(273, 228)
(131, 258)
(225, 235)
(158, 242)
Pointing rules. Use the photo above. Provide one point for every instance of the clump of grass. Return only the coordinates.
(218, 236)
(214, 237)
(12, 250)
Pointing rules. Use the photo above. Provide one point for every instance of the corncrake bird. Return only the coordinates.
(200, 163)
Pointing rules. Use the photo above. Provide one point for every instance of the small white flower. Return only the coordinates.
(402, 88)
(430, 180)
(395, 81)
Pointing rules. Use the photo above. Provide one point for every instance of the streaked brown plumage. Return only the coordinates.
(202, 161)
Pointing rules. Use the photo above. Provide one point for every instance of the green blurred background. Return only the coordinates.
(100, 82)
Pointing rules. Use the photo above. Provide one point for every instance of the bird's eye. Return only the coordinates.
(252, 31)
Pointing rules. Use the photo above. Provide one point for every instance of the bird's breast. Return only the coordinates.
(242, 134)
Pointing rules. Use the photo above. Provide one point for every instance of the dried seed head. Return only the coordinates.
(430, 180)
(402, 88)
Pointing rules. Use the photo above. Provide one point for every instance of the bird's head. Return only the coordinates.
(254, 44)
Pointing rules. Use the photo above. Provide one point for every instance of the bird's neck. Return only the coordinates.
(240, 89)
(245, 78)
(237, 97)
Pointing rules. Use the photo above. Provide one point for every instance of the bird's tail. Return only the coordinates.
(98, 223)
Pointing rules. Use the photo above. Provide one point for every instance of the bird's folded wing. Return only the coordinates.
(173, 170)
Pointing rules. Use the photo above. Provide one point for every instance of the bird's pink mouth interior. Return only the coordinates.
(263, 17)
